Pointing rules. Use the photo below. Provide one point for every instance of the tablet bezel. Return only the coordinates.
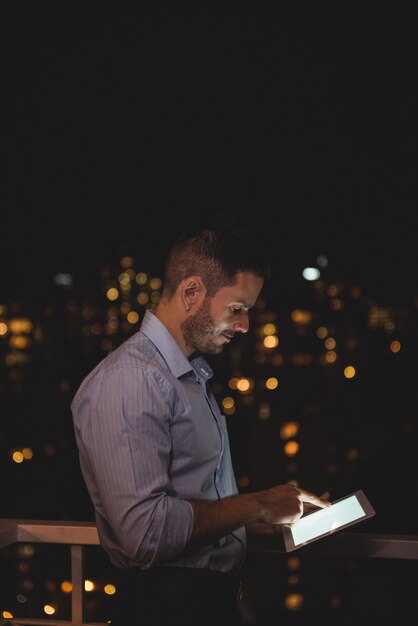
(365, 504)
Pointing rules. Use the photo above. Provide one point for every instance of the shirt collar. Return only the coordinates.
(170, 351)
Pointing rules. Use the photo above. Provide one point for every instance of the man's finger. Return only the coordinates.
(306, 496)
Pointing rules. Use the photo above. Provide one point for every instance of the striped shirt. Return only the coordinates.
(151, 436)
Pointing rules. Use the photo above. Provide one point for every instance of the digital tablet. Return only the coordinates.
(344, 512)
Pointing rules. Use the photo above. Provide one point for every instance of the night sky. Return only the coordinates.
(120, 124)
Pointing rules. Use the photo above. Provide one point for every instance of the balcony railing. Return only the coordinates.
(80, 534)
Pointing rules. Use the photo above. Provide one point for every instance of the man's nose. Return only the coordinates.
(242, 325)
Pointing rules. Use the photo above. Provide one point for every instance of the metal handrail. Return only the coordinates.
(79, 534)
(74, 534)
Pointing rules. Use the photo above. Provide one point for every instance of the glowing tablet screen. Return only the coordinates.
(322, 522)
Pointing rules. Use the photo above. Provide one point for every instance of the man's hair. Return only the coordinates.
(217, 251)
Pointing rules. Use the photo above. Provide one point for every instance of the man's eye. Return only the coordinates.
(235, 310)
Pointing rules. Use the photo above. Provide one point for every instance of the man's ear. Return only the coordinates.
(193, 291)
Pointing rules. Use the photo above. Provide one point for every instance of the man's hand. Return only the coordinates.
(309, 506)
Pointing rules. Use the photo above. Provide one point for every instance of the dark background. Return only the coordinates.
(121, 123)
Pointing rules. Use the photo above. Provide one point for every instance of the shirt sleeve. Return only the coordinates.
(125, 433)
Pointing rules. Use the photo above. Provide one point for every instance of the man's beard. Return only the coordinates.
(199, 331)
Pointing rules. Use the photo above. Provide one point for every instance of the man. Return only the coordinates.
(154, 448)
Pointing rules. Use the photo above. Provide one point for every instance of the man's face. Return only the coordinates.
(220, 317)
